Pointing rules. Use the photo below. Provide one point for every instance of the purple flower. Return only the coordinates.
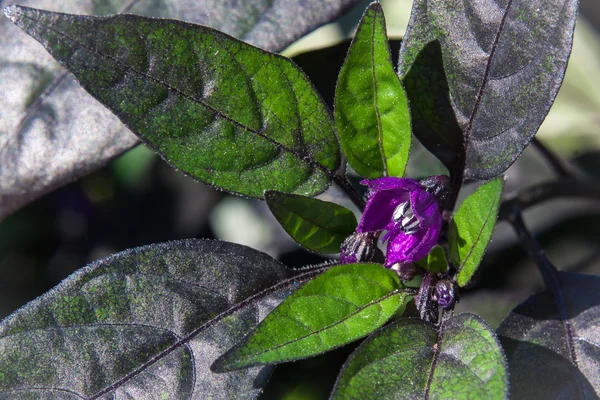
(408, 212)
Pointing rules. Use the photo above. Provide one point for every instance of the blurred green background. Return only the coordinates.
(138, 200)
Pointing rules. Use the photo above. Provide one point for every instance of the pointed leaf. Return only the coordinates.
(472, 227)
(52, 132)
(342, 305)
(553, 347)
(435, 261)
(144, 323)
(318, 225)
(411, 360)
(497, 67)
(371, 110)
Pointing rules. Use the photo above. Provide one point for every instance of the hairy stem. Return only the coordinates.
(356, 198)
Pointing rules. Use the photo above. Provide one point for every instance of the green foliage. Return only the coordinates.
(318, 225)
(410, 359)
(342, 305)
(371, 110)
(435, 261)
(220, 110)
(472, 227)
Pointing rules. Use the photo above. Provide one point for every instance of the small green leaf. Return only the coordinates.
(318, 225)
(435, 261)
(371, 110)
(411, 360)
(227, 113)
(344, 304)
(472, 227)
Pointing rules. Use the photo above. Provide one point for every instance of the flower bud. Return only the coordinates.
(361, 247)
(445, 293)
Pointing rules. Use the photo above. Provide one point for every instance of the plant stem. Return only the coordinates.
(548, 191)
(356, 198)
(556, 163)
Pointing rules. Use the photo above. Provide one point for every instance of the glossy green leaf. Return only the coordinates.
(411, 360)
(481, 76)
(472, 227)
(553, 344)
(435, 261)
(318, 225)
(220, 110)
(371, 110)
(144, 323)
(342, 305)
(74, 134)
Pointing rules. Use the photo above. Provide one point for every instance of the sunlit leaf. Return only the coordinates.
(472, 227)
(484, 73)
(52, 131)
(318, 225)
(371, 110)
(435, 261)
(410, 359)
(342, 305)
(553, 345)
(144, 323)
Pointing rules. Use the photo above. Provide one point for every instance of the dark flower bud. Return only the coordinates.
(361, 247)
(445, 293)
(408, 271)
(438, 185)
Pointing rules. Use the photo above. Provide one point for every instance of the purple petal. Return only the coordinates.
(404, 248)
(380, 208)
(425, 207)
(389, 182)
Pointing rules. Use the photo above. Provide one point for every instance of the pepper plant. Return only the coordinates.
(210, 319)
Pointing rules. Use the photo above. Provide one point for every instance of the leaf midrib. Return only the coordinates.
(302, 157)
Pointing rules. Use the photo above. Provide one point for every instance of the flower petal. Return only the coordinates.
(380, 208)
(390, 182)
(403, 248)
(425, 207)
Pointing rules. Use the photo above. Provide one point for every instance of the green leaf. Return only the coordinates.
(435, 261)
(553, 344)
(318, 225)
(79, 134)
(472, 227)
(220, 110)
(147, 323)
(411, 360)
(342, 305)
(371, 110)
(481, 76)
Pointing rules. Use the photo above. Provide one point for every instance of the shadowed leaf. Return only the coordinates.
(553, 347)
(143, 323)
(411, 360)
(371, 110)
(52, 131)
(435, 261)
(483, 74)
(318, 225)
(342, 305)
(471, 228)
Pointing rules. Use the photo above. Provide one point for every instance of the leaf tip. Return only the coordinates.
(11, 12)
(220, 365)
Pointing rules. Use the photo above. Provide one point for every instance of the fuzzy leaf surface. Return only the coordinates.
(342, 305)
(371, 110)
(318, 225)
(553, 346)
(53, 132)
(410, 360)
(472, 226)
(481, 76)
(143, 323)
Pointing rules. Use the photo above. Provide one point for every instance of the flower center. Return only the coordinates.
(408, 221)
